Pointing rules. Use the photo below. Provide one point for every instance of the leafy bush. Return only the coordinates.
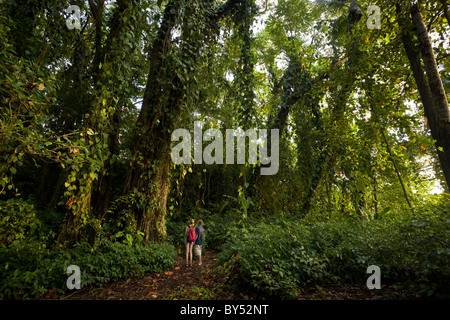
(220, 228)
(29, 270)
(17, 220)
(272, 259)
(278, 256)
(175, 232)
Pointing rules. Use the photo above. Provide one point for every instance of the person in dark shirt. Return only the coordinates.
(199, 231)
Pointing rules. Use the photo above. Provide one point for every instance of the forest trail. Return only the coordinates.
(205, 283)
(179, 283)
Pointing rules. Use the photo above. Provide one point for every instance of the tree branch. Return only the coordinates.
(223, 11)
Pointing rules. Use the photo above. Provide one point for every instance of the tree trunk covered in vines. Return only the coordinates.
(147, 176)
(353, 17)
(102, 196)
(296, 83)
(147, 173)
(93, 196)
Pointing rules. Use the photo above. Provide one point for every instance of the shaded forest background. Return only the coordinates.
(86, 117)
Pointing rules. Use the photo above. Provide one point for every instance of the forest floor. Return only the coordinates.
(206, 283)
(179, 283)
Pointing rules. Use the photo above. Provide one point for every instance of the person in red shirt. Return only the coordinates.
(189, 239)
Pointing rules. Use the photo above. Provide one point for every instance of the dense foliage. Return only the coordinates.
(86, 117)
(278, 256)
(29, 270)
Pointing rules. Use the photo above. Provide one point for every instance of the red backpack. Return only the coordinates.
(191, 234)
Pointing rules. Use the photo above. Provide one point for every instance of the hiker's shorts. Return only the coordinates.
(198, 250)
(186, 241)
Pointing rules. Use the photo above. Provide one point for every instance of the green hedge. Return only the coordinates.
(28, 270)
(278, 256)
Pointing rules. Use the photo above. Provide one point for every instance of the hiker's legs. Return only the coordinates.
(199, 247)
(190, 251)
(187, 253)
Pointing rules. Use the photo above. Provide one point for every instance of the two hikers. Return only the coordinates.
(194, 236)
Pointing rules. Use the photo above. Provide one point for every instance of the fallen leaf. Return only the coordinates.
(51, 293)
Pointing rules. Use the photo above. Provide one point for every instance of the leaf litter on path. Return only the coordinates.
(180, 282)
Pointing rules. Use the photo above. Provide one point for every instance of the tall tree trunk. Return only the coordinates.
(148, 174)
(245, 95)
(437, 116)
(437, 89)
(77, 216)
(439, 97)
(353, 17)
(102, 196)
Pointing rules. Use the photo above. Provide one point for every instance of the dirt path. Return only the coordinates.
(180, 282)
(205, 282)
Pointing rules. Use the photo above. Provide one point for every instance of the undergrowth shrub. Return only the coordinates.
(17, 220)
(28, 270)
(278, 256)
